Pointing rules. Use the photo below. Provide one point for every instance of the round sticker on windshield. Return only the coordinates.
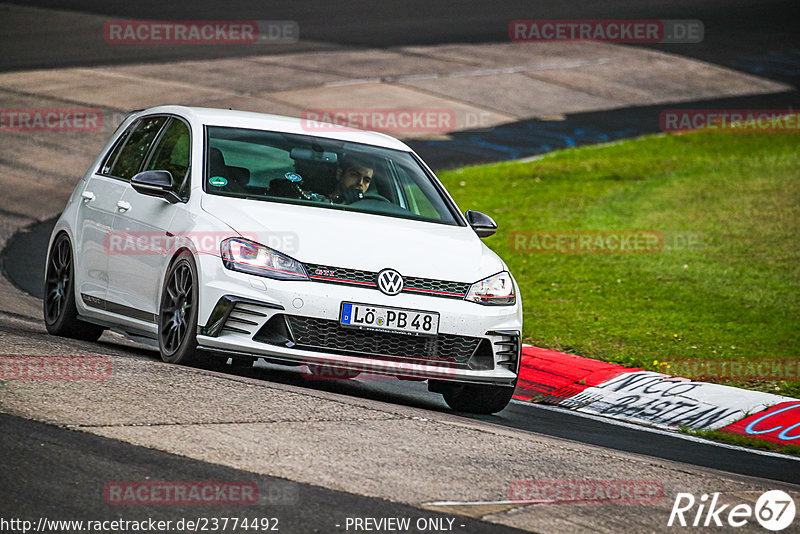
(293, 177)
(218, 181)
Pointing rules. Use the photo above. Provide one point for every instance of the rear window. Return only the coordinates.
(324, 173)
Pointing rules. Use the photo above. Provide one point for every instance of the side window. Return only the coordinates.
(172, 153)
(136, 147)
(114, 154)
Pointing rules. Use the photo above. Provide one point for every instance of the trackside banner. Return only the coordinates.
(656, 399)
(778, 424)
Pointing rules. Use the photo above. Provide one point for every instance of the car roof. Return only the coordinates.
(277, 123)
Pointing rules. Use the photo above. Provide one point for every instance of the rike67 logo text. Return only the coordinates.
(774, 510)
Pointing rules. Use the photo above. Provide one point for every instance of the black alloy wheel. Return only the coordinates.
(177, 318)
(58, 306)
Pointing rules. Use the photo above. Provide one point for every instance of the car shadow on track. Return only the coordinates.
(391, 390)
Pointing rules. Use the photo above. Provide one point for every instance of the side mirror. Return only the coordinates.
(483, 225)
(155, 184)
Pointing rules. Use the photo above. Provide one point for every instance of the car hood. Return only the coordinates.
(362, 241)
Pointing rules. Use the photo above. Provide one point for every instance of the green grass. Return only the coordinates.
(735, 295)
(742, 441)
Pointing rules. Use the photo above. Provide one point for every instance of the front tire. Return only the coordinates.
(177, 316)
(58, 305)
(477, 399)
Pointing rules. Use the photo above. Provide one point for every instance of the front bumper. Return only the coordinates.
(297, 322)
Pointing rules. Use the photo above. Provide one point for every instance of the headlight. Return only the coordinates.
(247, 256)
(497, 290)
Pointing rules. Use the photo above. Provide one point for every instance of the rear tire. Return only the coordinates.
(177, 316)
(58, 306)
(477, 399)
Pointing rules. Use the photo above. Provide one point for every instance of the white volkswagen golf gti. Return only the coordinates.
(242, 235)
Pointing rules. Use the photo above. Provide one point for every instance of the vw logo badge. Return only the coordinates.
(390, 282)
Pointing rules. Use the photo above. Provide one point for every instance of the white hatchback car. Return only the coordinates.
(245, 236)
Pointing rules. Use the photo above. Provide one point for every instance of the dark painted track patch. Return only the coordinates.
(60, 475)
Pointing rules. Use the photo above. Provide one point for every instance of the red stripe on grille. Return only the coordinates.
(437, 292)
(343, 280)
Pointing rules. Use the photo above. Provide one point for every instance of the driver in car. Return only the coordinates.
(354, 178)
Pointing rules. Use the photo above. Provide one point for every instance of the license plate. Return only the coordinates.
(381, 318)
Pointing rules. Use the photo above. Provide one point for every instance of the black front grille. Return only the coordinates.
(322, 273)
(325, 335)
(429, 285)
(413, 285)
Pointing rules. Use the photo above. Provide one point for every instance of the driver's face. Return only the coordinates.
(356, 177)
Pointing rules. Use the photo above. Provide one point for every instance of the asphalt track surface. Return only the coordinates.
(35, 454)
(562, 423)
(50, 468)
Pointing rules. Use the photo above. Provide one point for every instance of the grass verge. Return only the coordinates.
(742, 441)
(725, 283)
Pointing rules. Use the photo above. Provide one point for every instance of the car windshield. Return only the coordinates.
(326, 173)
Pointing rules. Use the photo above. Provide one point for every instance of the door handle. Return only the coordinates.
(123, 206)
(88, 196)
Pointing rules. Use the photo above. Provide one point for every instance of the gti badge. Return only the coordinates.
(390, 282)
